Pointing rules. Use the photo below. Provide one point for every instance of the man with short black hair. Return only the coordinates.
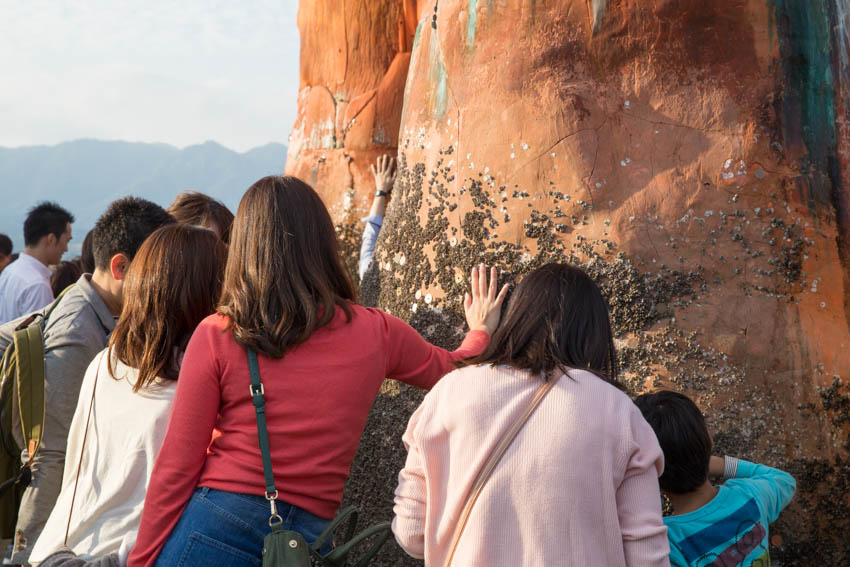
(5, 251)
(76, 331)
(25, 285)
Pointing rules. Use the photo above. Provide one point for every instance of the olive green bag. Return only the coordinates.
(287, 548)
(21, 396)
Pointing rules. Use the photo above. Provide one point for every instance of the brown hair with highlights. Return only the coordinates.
(192, 207)
(285, 276)
(173, 283)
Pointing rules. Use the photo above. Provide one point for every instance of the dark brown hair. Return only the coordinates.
(192, 207)
(87, 254)
(284, 275)
(680, 428)
(64, 275)
(556, 319)
(173, 282)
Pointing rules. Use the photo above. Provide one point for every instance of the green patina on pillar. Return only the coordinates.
(808, 104)
(437, 77)
(472, 10)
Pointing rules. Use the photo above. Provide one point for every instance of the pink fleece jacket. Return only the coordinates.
(578, 487)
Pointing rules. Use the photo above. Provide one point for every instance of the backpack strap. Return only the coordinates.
(29, 348)
(29, 354)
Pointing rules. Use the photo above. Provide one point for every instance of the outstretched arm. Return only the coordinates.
(411, 359)
(385, 174)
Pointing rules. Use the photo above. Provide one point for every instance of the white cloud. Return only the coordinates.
(174, 72)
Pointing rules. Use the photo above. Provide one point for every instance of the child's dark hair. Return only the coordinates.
(556, 319)
(683, 436)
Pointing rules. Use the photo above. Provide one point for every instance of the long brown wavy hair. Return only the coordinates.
(174, 281)
(556, 319)
(284, 275)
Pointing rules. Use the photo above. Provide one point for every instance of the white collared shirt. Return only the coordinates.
(24, 288)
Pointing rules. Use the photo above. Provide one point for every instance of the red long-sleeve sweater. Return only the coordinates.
(317, 400)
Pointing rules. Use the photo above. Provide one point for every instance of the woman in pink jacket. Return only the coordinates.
(578, 486)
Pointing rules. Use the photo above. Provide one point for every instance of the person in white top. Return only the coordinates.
(25, 283)
(122, 413)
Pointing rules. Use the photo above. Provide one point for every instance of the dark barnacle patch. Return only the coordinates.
(411, 257)
(816, 524)
(349, 236)
(820, 519)
(835, 400)
(638, 299)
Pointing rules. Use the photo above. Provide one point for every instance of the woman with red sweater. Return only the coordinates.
(287, 295)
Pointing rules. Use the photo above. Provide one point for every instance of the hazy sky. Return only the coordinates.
(148, 70)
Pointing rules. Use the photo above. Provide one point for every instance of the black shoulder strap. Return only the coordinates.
(257, 392)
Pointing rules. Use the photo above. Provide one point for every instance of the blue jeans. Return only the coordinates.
(226, 529)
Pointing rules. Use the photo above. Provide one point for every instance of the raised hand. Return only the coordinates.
(483, 308)
(384, 173)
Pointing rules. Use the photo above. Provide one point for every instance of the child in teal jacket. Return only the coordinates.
(724, 525)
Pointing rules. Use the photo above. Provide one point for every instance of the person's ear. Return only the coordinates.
(118, 266)
(51, 240)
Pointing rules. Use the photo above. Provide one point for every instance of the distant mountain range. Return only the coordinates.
(84, 176)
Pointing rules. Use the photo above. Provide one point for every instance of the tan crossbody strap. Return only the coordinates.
(82, 452)
(492, 461)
